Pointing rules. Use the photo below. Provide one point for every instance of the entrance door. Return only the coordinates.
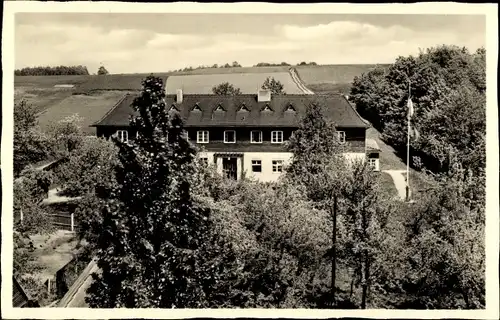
(229, 166)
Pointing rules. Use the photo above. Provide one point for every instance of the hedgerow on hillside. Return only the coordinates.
(52, 71)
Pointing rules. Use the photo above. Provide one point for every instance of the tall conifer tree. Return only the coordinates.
(154, 246)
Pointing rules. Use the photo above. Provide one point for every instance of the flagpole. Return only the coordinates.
(408, 146)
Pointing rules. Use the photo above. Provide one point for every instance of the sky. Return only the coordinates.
(159, 42)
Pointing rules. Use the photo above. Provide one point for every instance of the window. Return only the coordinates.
(202, 137)
(172, 109)
(256, 166)
(122, 135)
(372, 163)
(196, 108)
(229, 136)
(277, 137)
(277, 165)
(290, 108)
(255, 136)
(204, 161)
(341, 136)
(267, 108)
(220, 108)
(243, 108)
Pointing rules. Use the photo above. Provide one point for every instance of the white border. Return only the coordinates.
(492, 240)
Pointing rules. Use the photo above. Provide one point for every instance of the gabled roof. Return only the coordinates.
(337, 109)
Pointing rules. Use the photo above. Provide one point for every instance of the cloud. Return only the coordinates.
(136, 49)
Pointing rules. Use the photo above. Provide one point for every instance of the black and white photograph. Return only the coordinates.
(281, 159)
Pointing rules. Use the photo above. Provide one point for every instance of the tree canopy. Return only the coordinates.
(275, 86)
(102, 71)
(52, 71)
(448, 90)
(226, 89)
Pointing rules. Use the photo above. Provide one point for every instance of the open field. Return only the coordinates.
(91, 108)
(48, 81)
(247, 82)
(115, 82)
(330, 88)
(310, 75)
(272, 69)
(41, 98)
(332, 73)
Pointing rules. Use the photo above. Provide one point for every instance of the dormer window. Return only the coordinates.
(290, 108)
(267, 108)
(196, 108)
(172, 109)
(243, 108)
(220, 108)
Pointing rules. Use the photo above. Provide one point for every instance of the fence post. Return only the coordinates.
(21, 210)
(48, 285)
(72, 222)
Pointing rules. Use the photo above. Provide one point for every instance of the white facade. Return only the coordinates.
(270, 163)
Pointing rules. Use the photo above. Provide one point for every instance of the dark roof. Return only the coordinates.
(19, 297)
(281, 111)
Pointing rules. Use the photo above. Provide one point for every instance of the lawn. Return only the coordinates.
(387, 185)
(247, 82)
(91, 107)
(390, 161)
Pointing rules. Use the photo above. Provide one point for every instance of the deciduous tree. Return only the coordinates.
(226, 89)
(318, 164)
(102, 71)
(31, 145)
(442, 80)
(275, 86)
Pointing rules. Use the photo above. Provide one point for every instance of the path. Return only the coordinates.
(398, 176)
(298, 82)
(54, 197)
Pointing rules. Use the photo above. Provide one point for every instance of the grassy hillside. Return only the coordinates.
(332, 73)
(91, 107)
(47, 81)
(331, 78)
(41, 98)
(325, 78)
(247, 82)
(115, 82)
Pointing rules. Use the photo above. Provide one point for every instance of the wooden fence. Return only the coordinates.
(64, 221)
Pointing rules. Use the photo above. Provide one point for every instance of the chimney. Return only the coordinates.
(179, 96)
(263, 95)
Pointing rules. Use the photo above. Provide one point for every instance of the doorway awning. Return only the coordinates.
(228, 154)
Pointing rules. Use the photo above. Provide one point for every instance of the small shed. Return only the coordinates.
(20, 298)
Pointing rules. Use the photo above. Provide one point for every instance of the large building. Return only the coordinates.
(246, 133)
